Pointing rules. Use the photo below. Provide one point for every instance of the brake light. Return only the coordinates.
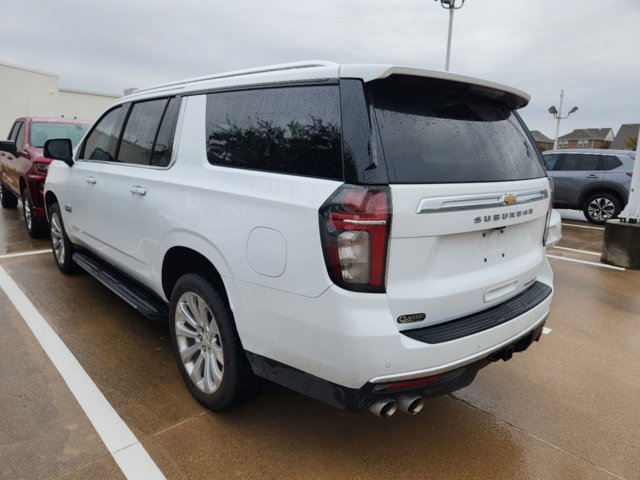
(629, 174)
(548, 220)
(355, 223)
(41, 167)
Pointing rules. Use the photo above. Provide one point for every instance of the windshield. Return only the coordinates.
(43, 131)
(438, 131)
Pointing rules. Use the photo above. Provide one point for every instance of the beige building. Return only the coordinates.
(28, 92)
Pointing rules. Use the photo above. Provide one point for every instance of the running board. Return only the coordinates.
(139, 297)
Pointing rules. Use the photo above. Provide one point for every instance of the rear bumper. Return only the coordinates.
(359, 399)
(352, 340)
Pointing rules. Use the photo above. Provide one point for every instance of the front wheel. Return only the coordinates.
(206, 344)
(601, 207)
(60, 244)
(35, 226)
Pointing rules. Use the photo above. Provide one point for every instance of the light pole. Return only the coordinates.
(557, 114)
(451, 6)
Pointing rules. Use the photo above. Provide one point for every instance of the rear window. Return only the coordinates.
(436, 131)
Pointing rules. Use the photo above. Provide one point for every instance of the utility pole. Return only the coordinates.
(557, 114)
(451, 6)
(621, 246)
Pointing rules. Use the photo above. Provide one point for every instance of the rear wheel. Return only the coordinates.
(206, 345)
(601, 207)
(7, 199)
(35, 226)
(62, 247)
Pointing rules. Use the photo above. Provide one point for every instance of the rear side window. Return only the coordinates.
(293, 130)
(436, 131)
(581, 162)
(148, 134)
(609, 162)
(14, 130)
(102, 142)
(20, 137)
(551, 161)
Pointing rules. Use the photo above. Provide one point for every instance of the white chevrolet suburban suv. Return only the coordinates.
(368, 235)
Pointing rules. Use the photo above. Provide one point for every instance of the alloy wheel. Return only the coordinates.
(57, 238)
(601, 209)
(28, 214)
(199, 342)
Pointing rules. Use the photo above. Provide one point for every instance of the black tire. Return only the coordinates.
(206, 345)
(62, 247)
(36, 227)
(7, 199)
(600, 207)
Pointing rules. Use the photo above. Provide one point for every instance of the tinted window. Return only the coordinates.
(102, 142)
(292, 130)
(436, 131)
(140, 132)
(581, 162)
(550, 161)
(14, 130)
(164, 141)
(609, 162)
(20, 137)
(40, 132)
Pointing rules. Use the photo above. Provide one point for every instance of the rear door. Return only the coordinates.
(575, 174)
(470, 198)
(131, 186)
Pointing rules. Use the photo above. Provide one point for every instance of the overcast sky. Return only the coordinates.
(589, 48)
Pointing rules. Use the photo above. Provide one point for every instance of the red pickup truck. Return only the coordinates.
(23, 168)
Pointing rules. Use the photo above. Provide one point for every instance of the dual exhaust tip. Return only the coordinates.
(410, 404)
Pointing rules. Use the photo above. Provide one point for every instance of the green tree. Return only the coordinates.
(631, 143)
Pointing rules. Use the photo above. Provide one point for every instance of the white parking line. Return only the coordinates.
(581, 226)
(584, 262)
(129, 454)
(24, 254)
(587, 252)
(546, 331)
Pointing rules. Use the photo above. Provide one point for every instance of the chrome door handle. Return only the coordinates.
(91, 180)
(141, 191)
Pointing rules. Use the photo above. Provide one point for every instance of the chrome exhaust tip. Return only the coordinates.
(384, 408)
(411, 404)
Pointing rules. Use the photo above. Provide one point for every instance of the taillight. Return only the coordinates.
(629, 174)
(548, 221)
(355, 223)
(41, 167)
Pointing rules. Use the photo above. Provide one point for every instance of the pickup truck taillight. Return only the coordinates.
(355, 223)
(42, 167)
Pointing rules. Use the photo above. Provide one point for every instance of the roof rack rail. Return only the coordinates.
(240, 73)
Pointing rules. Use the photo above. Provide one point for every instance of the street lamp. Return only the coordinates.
(451, 6)
(557, 114)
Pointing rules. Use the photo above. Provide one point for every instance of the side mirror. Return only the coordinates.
(59, 149)
(8, 146)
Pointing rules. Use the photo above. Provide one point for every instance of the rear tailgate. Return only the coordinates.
(453, 253)
(470, 197)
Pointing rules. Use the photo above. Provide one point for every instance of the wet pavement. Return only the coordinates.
(568, 408)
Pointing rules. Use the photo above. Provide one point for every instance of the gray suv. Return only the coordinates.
(594, 181)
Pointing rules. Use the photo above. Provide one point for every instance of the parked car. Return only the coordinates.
(365, 234)
(23, 168)
(594, 181)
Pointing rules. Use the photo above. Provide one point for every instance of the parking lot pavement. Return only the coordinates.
(565, 409)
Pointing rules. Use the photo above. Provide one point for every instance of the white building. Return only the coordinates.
(28, 92)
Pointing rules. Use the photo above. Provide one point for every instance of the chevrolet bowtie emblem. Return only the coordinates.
(510, 199)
